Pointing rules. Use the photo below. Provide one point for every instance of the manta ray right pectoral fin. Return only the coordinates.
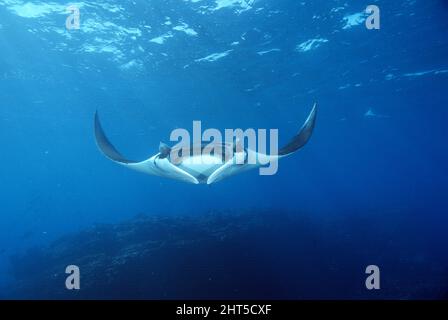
(231, 168)
(157, 165)
(304, 135)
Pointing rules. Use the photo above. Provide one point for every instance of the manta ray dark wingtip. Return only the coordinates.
(302, 138)
(104, 144)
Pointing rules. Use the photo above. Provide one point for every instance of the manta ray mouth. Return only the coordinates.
(215, 153)
(202, 166)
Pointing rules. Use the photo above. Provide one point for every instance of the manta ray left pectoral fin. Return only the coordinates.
(113, 154)
(158, 165)
(106, 147)
(166, 169)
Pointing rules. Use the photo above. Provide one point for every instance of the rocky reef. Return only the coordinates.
(248, 254)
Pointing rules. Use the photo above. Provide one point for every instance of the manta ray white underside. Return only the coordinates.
(208, 168)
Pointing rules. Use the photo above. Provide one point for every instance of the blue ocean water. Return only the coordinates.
(374, 171)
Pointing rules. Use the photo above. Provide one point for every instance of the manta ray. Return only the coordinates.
(208, 168)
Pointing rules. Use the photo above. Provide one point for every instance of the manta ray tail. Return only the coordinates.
(105, 146)
(303, 136)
